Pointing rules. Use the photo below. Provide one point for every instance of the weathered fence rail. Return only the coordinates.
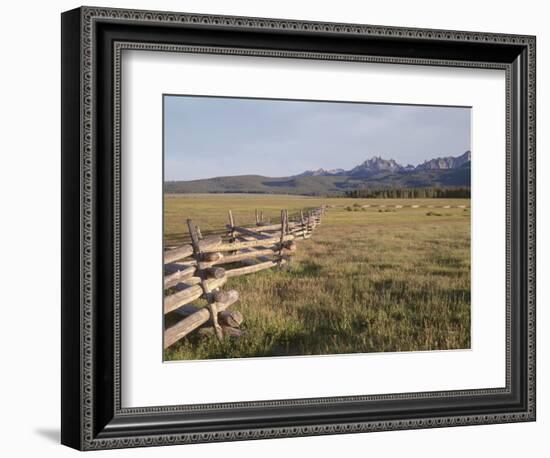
(192, 271)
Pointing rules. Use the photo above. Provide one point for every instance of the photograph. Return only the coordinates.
(310, 227)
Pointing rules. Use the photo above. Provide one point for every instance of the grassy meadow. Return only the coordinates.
(368, 280)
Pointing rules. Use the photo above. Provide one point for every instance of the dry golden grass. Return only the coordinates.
(369, 280)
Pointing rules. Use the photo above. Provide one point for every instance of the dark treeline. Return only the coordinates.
(408, 193)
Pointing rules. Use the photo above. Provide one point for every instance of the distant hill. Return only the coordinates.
(375, 172)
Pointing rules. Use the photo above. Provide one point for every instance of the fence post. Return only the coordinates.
(287, 226)
(283, 225)
(231, 227)
(302, 220)
(201, 274)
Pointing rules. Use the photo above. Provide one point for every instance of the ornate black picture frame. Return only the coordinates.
(92, 42)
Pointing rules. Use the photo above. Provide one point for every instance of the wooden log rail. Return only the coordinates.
(192, 271)
(238, 245)
(195, 320)
(253, 268)
(190, 293)
(187, 250)
(180, 272)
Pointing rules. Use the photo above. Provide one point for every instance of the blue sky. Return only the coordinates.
(207, 137)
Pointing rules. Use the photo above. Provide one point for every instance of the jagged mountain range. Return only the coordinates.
(377, 165)
(376, 172)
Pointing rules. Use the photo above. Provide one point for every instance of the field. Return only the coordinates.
(369, 280)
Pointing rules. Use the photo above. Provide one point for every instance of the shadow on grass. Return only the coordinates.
(400, 292)
(306, 269)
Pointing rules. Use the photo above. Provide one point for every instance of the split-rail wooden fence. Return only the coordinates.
(194, 271)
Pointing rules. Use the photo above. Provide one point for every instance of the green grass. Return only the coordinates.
(367, 281)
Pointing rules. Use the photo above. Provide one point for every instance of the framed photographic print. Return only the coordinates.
(278, 228)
